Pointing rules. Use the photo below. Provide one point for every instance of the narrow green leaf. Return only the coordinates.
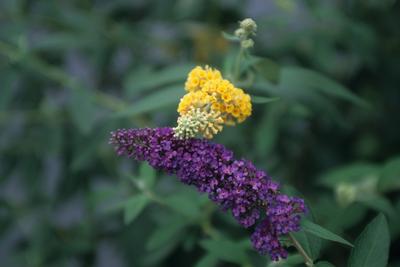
(378, 203)
(86, 148)
(300, 94)
(147, 175)
(371, 248)
(267, 69)
(310, 243)
(62, 41)
(145, 79)
(166, 232)
(323, 233)
(8, 80)
(268, 132)
(390, 176)
(230, 37)
(157, 255)
(291, 260)
(225, 250)
(82, 109)
(165, 97)
(263, 99)
(306, 78)
(133, 207)
(185, 203)
(208, 260)
(324, 264)
(351, 174)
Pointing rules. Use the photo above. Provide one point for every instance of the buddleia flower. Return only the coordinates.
(235, 185)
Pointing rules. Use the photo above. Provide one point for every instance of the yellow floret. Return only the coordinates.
(229, 108)
(226, 97)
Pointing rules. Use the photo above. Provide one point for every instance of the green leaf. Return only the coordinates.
(390, 176)
(186, 203)
(82, 109)
(166, 97)
(158, 254)
(133, 207)
(291, 260)
(371, 248)
(377, 202)
(324, 264)
(62, 41)
(350, 174)
(226, 250)
(267, 69)
(145, 79)
(86, 148)
(230, 37)
(300, 77)
(147, 175)
(301, 95)
(171, 229)
(323, 233)
(263, 99)
(8, 80)
(208, 260)
(310, 243)
(268, 132)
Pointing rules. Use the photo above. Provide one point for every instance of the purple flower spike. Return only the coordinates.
(234, 185)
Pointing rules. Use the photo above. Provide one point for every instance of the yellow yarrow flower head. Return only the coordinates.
(211, 102)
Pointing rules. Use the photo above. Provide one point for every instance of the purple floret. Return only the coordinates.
(234, 185)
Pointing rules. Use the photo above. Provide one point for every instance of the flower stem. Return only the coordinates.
(237, 65)
(307, 260)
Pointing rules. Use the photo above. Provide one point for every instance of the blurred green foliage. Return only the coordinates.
(72, 71)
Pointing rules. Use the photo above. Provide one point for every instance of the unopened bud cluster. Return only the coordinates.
(247, 28)
(198, 120)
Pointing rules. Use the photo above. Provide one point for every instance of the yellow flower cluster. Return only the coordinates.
(215, 93)
(209, 93)
(198, 77)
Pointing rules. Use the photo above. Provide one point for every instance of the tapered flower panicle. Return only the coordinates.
(235, 185)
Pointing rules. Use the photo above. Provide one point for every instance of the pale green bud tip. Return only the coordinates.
(188, 127)
(249, 25)
(198, 121)
(240, 33)
(346, 194)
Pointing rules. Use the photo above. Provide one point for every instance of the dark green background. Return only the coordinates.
(72, 71)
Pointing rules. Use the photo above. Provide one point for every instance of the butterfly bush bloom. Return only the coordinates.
(209, 93)
(235, 185)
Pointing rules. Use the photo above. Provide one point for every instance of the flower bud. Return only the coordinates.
(248, 25)
(241, 34)
(346, 194)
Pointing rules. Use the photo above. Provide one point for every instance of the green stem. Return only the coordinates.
(236, 74)
(307, 260)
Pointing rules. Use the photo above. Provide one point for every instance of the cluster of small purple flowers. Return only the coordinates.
(234, 185)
